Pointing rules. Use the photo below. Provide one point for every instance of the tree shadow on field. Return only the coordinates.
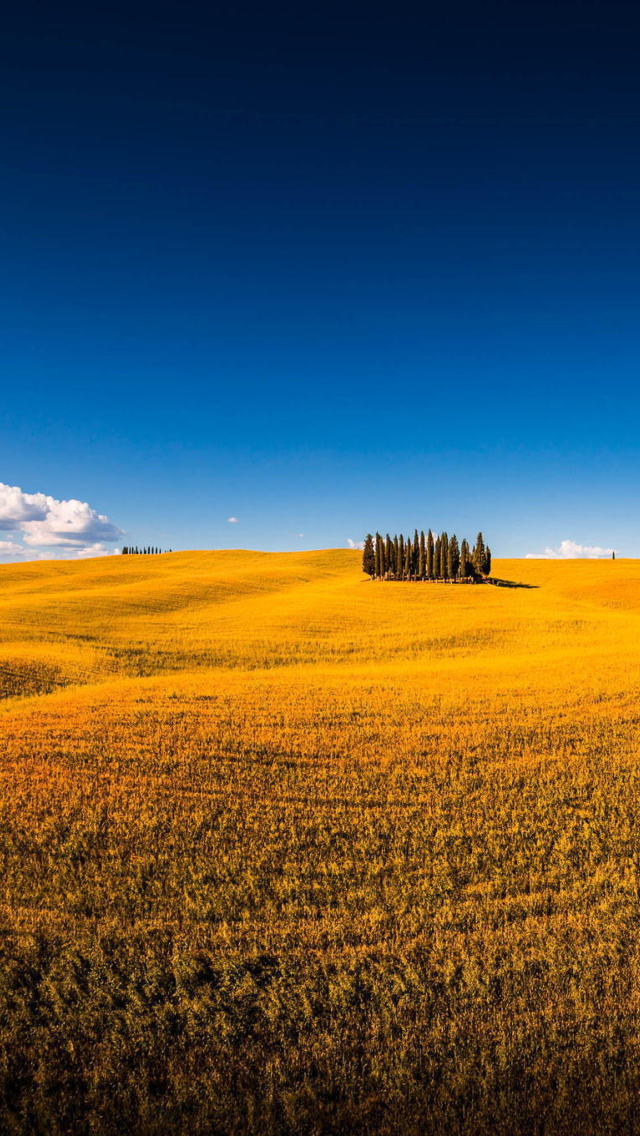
(508, 583)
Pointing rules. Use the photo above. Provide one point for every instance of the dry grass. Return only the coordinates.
(288, 851)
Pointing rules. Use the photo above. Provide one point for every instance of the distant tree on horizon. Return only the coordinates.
(454, 558)
(388, 556)
(369, 557)
(444, 556)
(407, 559)
(479, 554)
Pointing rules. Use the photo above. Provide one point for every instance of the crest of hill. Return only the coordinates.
(237, 572)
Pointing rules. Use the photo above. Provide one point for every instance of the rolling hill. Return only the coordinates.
(289, 851)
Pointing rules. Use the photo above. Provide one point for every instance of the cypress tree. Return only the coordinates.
(369, 557)
(487, 561)
(454, 558)
(464, 560)
(444, 556)
(401, 557)
(396, 557)
(422, 558)
(125, 551)
(436, 558)
(415, 555)
(479, 555)
(407, 559)
(378, 564)
(389, 555)
(430, 552)
(383, 558)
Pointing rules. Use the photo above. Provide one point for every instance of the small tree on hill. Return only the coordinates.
(444, 556)
(369, 557)
(388, 555)
(378, 560)
(454, 558)
(479, 553)
(430, 555)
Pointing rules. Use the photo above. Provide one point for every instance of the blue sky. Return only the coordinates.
(320, 271)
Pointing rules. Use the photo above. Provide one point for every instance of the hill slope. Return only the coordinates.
(286, 850)
(245, 610)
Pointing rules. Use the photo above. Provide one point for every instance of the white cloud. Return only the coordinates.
(97, 549)
(10, 548)
(17, 507)
(355, 543)
(43, 522)
(232, 520)
(569, 550)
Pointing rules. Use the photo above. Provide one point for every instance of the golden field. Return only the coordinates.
(285, 850)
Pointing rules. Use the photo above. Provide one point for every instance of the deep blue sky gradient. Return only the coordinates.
(324, 269)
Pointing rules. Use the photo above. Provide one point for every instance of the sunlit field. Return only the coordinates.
(285, 850)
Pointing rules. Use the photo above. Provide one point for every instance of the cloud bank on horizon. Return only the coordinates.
(42, 527)
(570, 550)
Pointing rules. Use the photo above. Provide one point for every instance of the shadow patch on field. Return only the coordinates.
(508, 583)
(19, 678)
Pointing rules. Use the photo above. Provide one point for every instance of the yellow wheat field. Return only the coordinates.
(285, 850)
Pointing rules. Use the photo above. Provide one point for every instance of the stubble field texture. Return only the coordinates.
(287, 851)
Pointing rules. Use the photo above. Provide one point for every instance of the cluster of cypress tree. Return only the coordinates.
(130, 550)
(425, 558)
